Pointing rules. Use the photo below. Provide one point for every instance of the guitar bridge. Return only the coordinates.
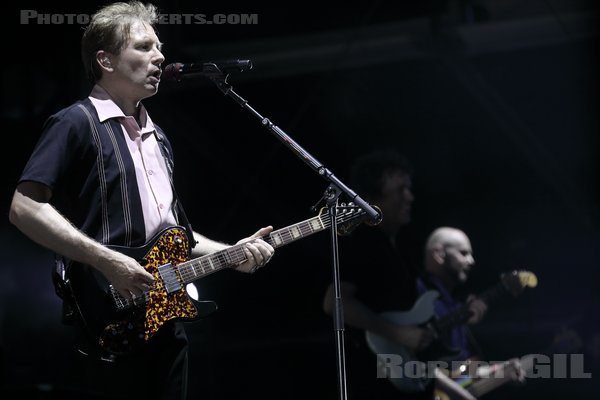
(169, 278)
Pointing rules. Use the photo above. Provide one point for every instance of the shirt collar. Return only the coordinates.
(107, 108)
(444, 293)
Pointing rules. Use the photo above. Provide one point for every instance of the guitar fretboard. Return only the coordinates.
(462, 314)
(199, 267)
(175, 277)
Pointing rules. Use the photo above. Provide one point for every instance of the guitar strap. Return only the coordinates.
(62, 289)
(475, 346)
(177, 207)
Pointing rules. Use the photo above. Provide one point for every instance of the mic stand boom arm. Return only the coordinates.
(333, 191)
(372, 213)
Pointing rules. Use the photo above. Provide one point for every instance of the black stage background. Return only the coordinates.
(494, 102)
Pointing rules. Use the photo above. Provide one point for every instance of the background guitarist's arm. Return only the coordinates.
(358, 315)
(31, 213)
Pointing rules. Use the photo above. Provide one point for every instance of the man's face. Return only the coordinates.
(459, 259)
(396, 199)
(138, 64)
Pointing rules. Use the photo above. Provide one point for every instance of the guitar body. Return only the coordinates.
(415, 376)
(421, 313)
(118, 331)
(483, 382)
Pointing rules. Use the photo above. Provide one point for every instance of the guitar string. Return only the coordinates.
(492, 381)
(285, 235)
(236, 251)
(238, 255)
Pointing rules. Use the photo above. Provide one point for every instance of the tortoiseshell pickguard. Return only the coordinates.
(171, 247)
(142, 322)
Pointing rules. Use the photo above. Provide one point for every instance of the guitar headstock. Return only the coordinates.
(349, 216)
(516, 281)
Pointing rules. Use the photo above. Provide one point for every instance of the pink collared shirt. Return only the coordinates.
(151, 173)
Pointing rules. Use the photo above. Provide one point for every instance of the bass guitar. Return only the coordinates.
(480, 380)
(423, 314)
(485, 379)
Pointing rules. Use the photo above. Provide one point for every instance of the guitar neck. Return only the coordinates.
(199, 267)
(463, 313)
(489, 383)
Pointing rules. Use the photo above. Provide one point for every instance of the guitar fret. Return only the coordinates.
(197, 268)
(316, 224)
(236, 255)
(172, 276)
(190, 270)
(205, 265)
(283, 236)
(289, 235)
(277, 239)
(210, 262)
(220, 258)
(309, 226)
(295, 232)
(226, 257)
(304, 229)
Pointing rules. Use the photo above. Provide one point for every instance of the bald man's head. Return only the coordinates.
(448, 255)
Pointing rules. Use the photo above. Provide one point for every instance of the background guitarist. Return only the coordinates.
(376, 275)
(101, 174)
(448, 261)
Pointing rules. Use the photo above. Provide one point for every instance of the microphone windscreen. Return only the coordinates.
(172, 72)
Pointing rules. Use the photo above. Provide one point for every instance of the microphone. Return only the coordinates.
(176, 71)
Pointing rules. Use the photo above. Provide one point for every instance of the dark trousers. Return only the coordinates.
(158, 372)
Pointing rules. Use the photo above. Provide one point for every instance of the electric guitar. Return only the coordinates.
(423, 314)
(485, 379)
(116, 325)
(479, 381)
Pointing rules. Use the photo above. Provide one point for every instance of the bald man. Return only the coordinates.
(448, 261)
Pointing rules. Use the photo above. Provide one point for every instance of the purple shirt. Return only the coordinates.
(457, 338)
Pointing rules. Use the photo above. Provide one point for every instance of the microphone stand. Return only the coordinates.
(331, 195)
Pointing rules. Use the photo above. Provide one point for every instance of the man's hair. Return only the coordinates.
(109, 30)
(369, 170)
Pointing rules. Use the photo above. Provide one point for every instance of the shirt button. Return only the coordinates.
(161, 206)
(150, 172)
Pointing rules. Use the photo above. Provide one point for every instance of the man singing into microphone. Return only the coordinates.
(101, 174)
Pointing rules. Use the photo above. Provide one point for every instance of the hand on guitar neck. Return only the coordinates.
(477, 307)
(472, 380)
